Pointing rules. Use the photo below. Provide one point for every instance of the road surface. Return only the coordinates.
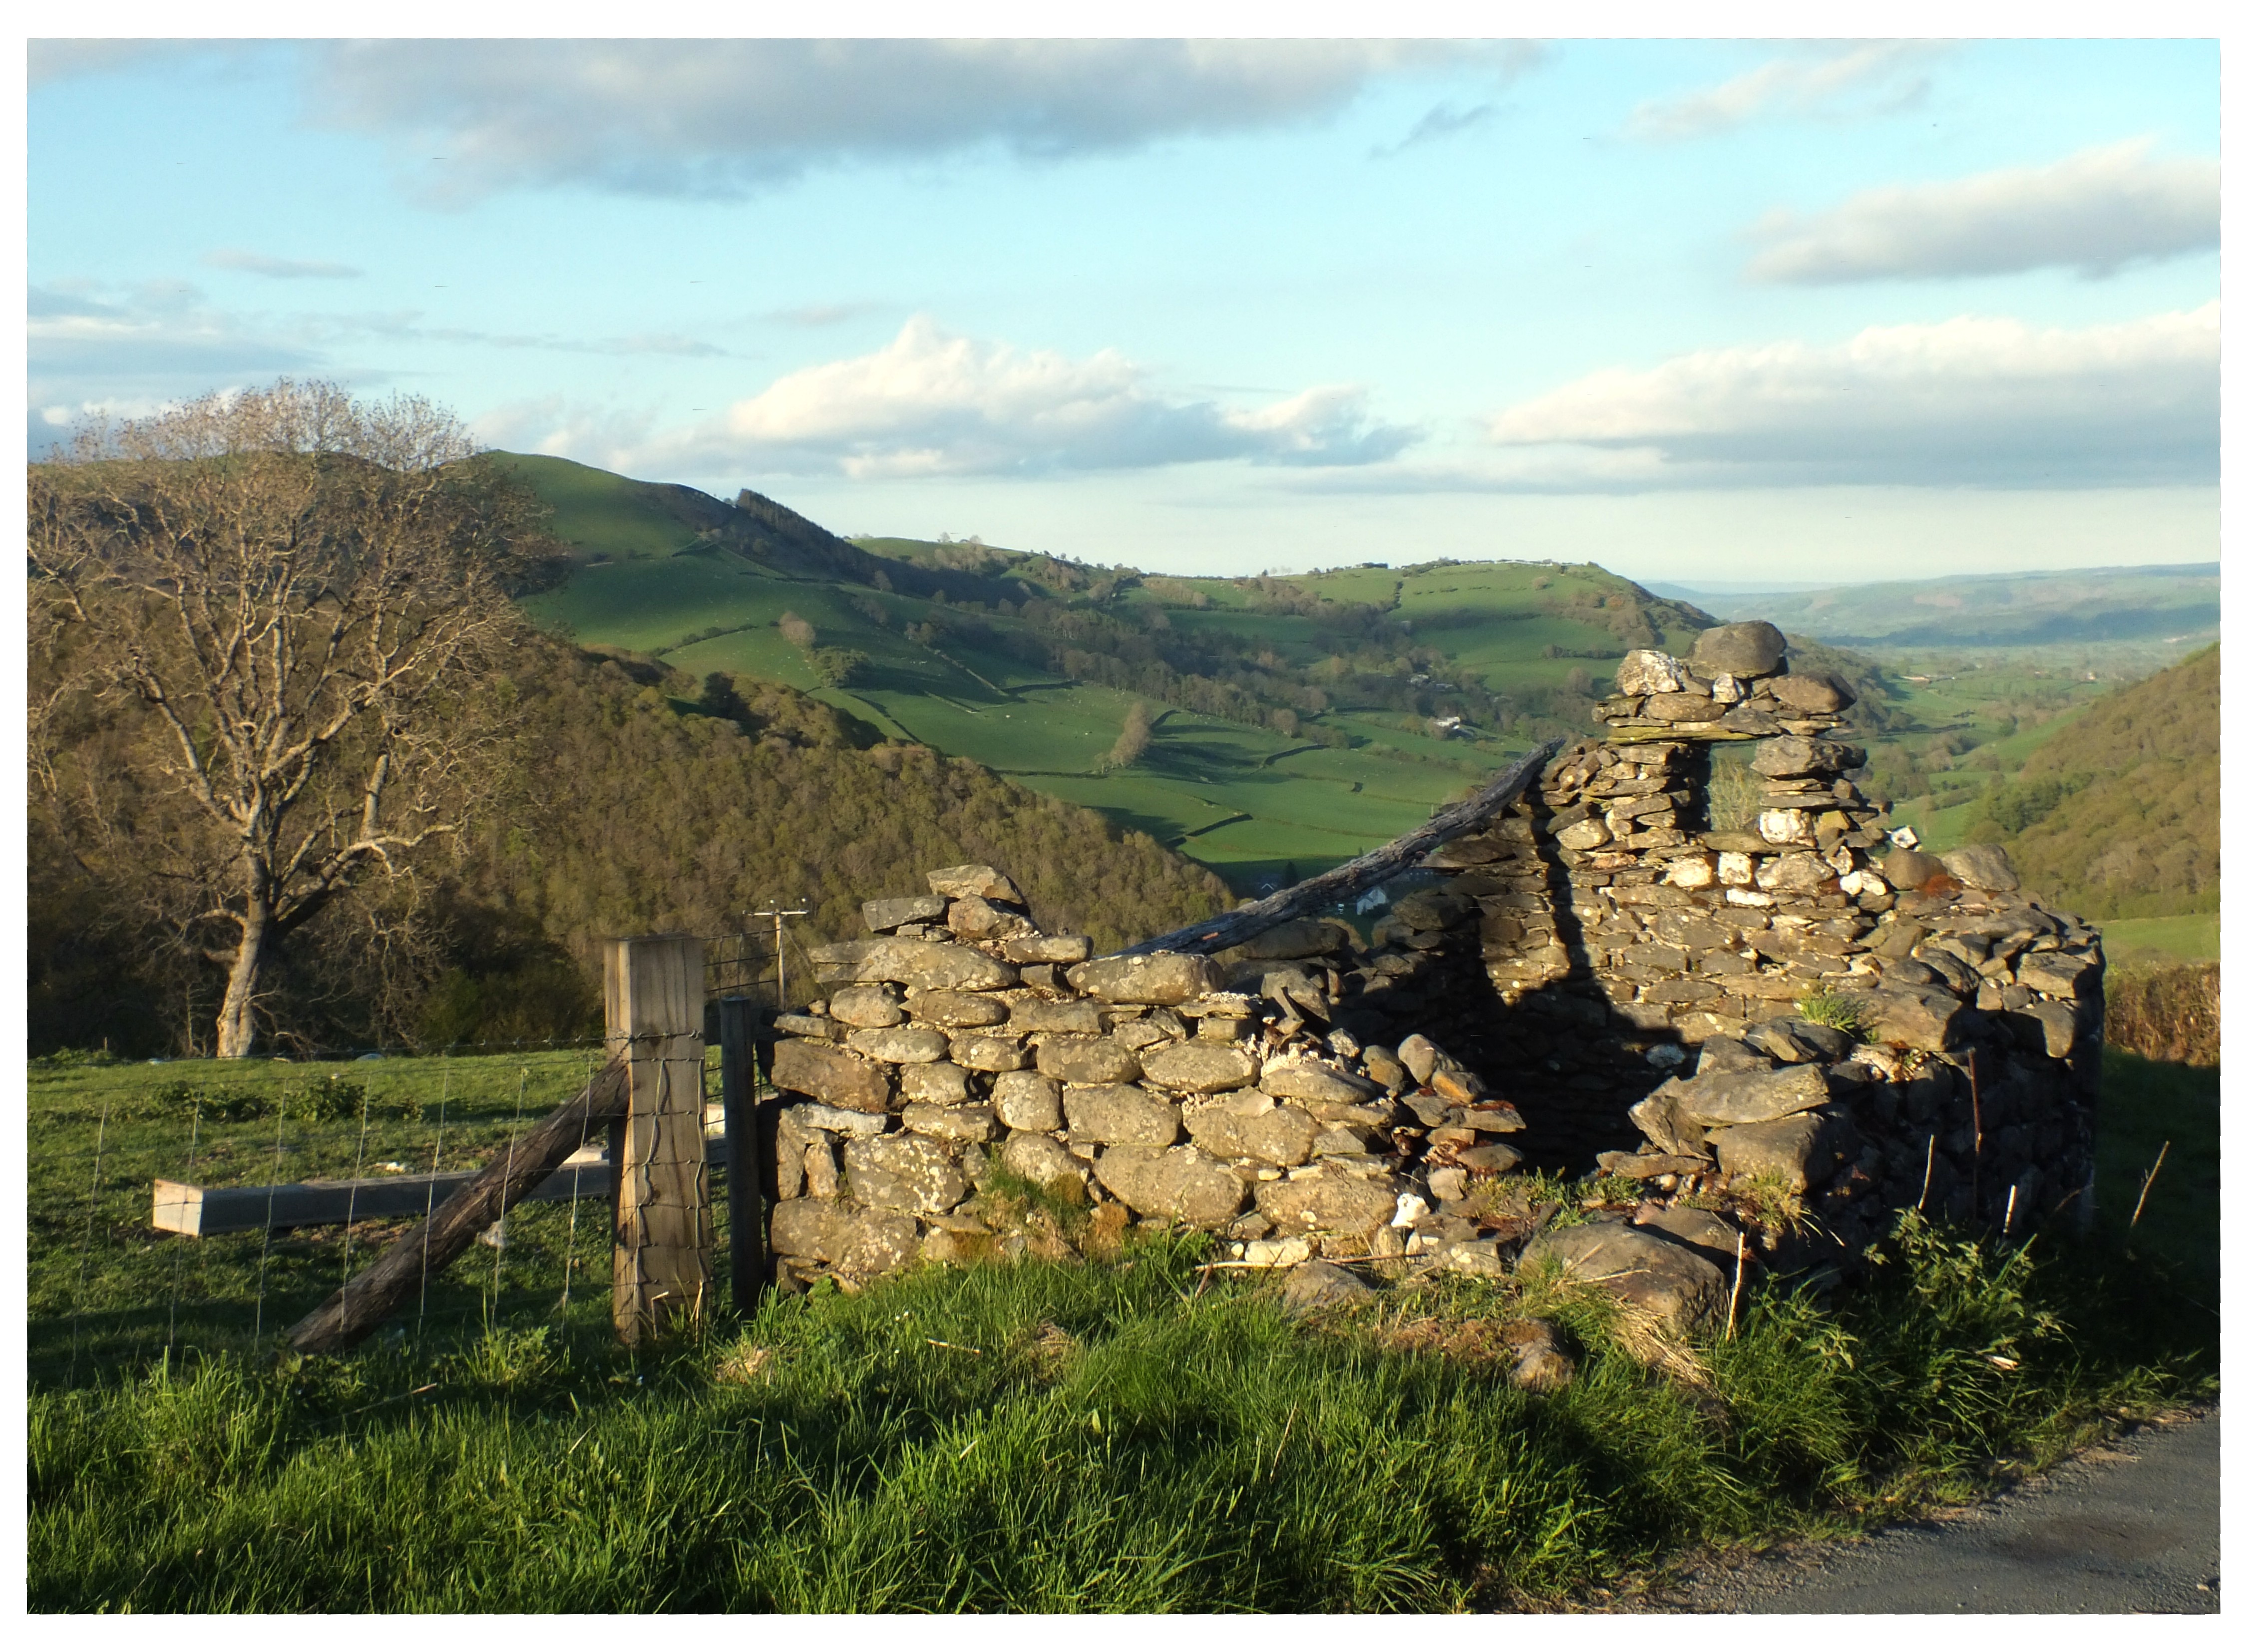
(2129, 1527)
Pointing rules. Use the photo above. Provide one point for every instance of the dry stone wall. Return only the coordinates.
(1599, 981)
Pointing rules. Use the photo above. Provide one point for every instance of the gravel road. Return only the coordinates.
(2129, 1527)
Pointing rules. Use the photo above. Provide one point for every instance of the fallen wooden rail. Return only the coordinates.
(519, 1167)
(1353, 878)
(200, 1212)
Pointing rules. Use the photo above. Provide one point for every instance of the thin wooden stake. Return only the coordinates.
(1740, 1270)
(1927, 1181)
(2148, 1186)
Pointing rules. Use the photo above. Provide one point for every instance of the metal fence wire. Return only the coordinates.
(114, 1286)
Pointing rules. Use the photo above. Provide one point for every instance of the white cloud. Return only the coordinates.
(932, 403)
(1973, 401)
(1844, 80)
(722, 117)
(2095, 211)
(281, 269)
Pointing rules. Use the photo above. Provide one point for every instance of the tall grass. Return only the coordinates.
(2166, 1013)
(1049, 1436)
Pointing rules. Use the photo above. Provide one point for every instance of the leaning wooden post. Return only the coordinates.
(654, 988)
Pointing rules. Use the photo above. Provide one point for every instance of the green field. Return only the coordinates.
(2190, 939)
(1246, 800)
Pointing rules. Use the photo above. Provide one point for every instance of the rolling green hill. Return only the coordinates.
(1295, 722)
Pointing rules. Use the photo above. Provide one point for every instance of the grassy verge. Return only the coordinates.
(1139, 1435)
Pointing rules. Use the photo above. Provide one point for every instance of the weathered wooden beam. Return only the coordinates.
(1353, 878)
(653, 989)
(200, 1212)
(428, 1247)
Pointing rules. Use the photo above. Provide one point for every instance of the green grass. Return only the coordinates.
(1064, 1436)
(2144, 1104)
(1040, 1437)
(2190, 939)
(105, 1289)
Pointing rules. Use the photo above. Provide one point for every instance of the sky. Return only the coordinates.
(1703, 311)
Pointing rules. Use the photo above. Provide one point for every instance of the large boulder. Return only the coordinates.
(1981, 866)
(1200, 1068)
(953, 1123)
(1722, 1098)
(1909, 869)
(900, 1044)
(1795, 756)
(1047, 948)
(1686, 1292)
(1249, 1124)
(904, 909)
(1027, 1101)
(1709, 1236)
(1312, 1287)
(1043, 1015)
(947, 1009)
(1040, 1159)
(824, 1074)
(987, 1053)
(1801, 1151)
(1747, 648)
(1075, 1060)
(858, 1243)
(2055, 974)
(942, 1083)
(1154, 978)
(1812, 693)
(1650, 671)
(1120, 1115)
(1327, 1202)
(1299, 1079)
(874, 1006)
(1175, 1182)
(903, 1172)
(926, 964)
(979, 882)
(1919, 1018)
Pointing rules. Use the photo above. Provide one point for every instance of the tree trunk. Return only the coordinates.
(236, 1031)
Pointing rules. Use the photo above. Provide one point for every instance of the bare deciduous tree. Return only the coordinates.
(300, 592)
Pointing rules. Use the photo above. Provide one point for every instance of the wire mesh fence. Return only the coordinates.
(114, 1283)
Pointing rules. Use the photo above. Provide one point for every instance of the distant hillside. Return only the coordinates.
(2175, 604)
(2119, 818)
(1294, 722)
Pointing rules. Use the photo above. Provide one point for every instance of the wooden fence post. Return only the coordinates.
(654, 989)
(745, 1203)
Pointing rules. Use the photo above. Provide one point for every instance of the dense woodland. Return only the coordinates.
(632, 800)
(2116, 816)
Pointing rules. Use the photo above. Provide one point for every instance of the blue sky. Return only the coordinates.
(1718, 310)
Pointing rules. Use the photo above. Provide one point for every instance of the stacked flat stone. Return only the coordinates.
(1736, 683)
(960, 1042)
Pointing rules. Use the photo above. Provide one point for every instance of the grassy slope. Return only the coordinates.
(2140, 838)
(1246, 801)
